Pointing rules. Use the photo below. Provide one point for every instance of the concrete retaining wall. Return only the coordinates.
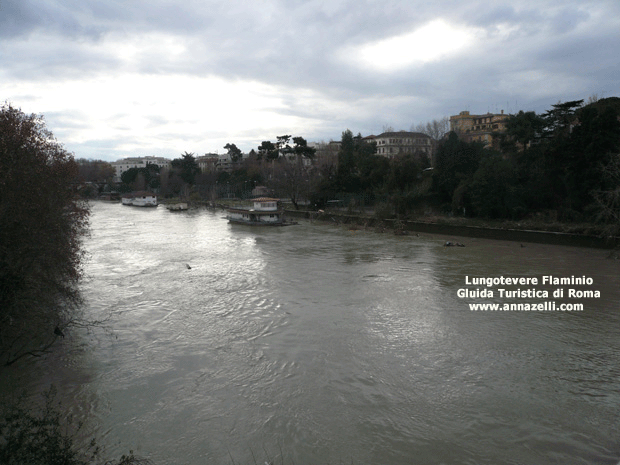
(542, 237)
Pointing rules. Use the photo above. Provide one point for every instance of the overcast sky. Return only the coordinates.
(151, 77)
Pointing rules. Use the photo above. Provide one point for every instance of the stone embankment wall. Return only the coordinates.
(542, 237)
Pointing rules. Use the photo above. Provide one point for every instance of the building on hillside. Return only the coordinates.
(392, 144)
(208, 162)
(225, 163)
(124, 164)
(291, 157)
(480, 128)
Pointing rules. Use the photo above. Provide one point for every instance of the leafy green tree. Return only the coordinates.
(492, 188)
(373, 169)
(347, 174)
(141, 178)
(564, 170)
(606, 204)
(455, 163)
(301, 149)
(267, 151)
(42, 226)
(406, 183)
(346, 162)
(592, 142)
(559, 120)
(129, 176)
(186, 167)
(234, 152)
(405, 171)
(522, 129)
(152, 175)
(283, 144)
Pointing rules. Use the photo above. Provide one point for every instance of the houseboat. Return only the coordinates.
(140, 199)
(266, 212)
(177, 207)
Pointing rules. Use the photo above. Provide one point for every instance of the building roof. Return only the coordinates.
(402, 134)
(265, 199)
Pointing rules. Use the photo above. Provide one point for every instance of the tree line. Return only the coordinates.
(562, 164)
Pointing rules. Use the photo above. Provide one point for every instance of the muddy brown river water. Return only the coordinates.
(313, 344)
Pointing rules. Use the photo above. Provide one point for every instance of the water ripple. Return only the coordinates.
(330, 346)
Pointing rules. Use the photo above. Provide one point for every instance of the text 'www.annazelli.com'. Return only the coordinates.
(549, 306)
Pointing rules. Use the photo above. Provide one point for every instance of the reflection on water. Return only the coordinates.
(327, 345)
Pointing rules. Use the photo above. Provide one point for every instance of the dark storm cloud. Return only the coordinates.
(523, 55)
(19, 18)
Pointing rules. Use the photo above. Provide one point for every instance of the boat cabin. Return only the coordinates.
(265, 212)
(140, 199)
(266, 204)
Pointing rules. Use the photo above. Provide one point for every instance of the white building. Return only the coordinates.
(391, 144)
(124, 164)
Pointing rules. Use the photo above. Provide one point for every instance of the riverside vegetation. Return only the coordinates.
(557, 171)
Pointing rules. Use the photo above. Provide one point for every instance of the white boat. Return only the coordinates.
(175, 207)
(140, 199)
(266, 212)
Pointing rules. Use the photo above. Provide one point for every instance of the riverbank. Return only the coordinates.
(465, 227)
(535, 231)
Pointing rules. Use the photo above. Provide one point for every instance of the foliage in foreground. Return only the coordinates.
(45, 439)
(42, 225)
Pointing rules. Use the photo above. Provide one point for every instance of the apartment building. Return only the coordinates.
(124, 164)
(391, 144)
(480, 128)
(208, 162)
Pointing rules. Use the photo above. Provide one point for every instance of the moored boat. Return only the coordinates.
(266, 212)
(177, 207)
(140, 199)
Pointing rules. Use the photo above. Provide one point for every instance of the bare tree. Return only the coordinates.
(436, 128)
(291, 176)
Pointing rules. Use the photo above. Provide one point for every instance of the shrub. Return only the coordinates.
(44, 439)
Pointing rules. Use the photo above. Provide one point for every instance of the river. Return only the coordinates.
(314, 344)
